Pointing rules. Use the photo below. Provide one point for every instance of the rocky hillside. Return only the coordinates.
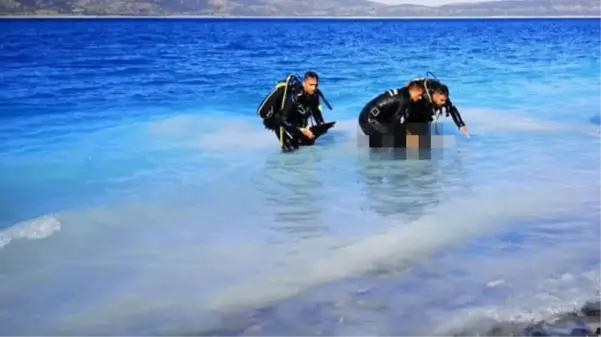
(295, 8)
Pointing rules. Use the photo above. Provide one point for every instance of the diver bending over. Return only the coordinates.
(429, 108)
(384, 118)
(288, 109)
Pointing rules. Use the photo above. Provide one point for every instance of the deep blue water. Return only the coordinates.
(141, 195)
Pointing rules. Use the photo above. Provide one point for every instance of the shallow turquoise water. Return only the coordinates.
(142, 196)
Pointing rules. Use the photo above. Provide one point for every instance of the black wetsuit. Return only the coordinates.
(286, 122)
(451, 109)
(424, 110)
(383, 118)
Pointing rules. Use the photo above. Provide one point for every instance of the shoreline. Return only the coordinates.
(236, 17)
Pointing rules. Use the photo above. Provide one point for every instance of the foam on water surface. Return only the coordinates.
(201, 240)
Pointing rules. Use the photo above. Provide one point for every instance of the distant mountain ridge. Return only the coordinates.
(334, 8)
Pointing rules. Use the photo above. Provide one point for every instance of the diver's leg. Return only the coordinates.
(418, 126)
(290, 139)
(287, 143)
(374, 137)
(418, 141)
(280, 135)
(283, 135)
(398, 135)
(411, 136)
(425, 139)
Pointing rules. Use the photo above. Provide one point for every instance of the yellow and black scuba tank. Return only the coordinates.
(290, 84)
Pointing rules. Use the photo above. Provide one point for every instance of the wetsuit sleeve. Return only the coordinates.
(452, 109)
(317, 113)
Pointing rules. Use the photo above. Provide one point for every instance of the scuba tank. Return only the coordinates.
(291, 85)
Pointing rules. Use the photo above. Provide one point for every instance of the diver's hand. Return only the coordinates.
(307, 132)
(465, 131)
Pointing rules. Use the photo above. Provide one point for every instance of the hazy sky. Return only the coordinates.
(427, 2)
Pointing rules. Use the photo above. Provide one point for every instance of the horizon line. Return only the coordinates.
(323, 17)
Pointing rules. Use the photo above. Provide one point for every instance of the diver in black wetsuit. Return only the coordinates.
(288, 108)
(383, 119)
(435, 99)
